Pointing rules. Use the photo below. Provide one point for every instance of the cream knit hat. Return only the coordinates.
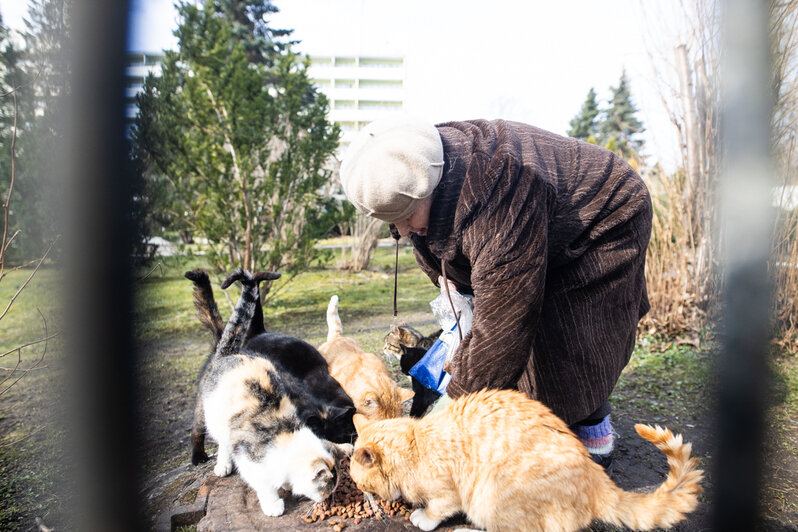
(391, 166)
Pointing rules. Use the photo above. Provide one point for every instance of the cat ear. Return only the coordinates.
(360, 422)
(405, 394)
(338, 413)
(365, 456)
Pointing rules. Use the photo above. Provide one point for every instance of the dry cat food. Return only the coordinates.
(348, 502)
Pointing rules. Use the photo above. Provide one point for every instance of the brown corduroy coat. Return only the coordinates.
(550, 236)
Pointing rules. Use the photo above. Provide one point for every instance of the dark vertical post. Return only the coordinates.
(747, 221)
(102, 363)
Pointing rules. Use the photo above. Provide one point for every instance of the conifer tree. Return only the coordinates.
(9, 58)
(39, 74)
(584, 126)
(620, 125)
(234, 139)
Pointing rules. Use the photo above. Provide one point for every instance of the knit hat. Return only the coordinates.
(391, 166)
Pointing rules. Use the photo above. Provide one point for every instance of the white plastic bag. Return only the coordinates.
(442, 309)
(429, 370)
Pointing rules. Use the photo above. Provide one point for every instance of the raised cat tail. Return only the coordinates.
(674, 498)
(256, 325)
(334, 326)
(204, 302)
(233, 334)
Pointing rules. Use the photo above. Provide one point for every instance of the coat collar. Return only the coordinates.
(443, 233)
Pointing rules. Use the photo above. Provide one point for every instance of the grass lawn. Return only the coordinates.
(664, 383)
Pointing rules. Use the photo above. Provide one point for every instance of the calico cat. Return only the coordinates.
(509, 463)
(409, 345)
(249, 412)
(323, 405)
(362, 375)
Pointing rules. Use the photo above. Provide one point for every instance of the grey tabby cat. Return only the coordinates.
(404, 335)
(409, 346)
(248, 411)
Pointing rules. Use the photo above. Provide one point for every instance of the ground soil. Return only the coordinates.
(171, 485)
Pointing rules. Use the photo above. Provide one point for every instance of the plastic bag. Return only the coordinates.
(429, 370)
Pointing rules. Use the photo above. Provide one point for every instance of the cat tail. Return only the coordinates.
(257, 325)
(674, 498)
(204, 302)
(233, 334)
(334, 326)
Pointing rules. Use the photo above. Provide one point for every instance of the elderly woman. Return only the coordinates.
(548, 233)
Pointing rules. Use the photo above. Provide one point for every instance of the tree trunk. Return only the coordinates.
(691, 135)
(365, 233)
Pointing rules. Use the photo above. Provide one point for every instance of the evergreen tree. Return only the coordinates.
(250, 27)
(40, 75)
(585, 125)
(620, 126)
(234, 139)
(9, 58)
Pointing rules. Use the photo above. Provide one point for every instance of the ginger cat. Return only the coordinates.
(362, 375)
(508, 463)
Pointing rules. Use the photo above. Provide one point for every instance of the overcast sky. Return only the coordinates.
(532, 61)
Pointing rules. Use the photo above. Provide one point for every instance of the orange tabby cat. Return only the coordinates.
(508, 463)
(362, 375)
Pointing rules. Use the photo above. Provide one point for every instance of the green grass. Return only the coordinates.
(31, 442)
(643, 387)
(298, 306)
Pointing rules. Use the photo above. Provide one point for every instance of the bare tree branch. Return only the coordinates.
(33, 273)
(156, 267)
(47, 337)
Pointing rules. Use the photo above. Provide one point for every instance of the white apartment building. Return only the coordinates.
(360, 88)
(137, 66)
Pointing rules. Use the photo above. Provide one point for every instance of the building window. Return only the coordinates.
(380, 84)
(379, 104)
(345, 61)
(321, 61)
(380, 62)
(344, 104)
(344, 84)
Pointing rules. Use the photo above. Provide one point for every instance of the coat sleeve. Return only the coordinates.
(507, 246)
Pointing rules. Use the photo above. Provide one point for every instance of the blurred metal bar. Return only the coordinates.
(746, 226)
(102, 360)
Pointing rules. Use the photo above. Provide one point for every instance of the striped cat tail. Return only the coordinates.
(334, 326)
(205, 304)
(233, 335)
(674, 498)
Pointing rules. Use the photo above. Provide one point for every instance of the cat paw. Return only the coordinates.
(223, 468)
(272, 508)
(419, 518)
(199, 457)
(346, 448)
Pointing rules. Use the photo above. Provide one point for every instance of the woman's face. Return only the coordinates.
(417, 222)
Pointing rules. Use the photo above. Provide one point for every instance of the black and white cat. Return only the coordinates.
(249, 411)
(321, 402)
